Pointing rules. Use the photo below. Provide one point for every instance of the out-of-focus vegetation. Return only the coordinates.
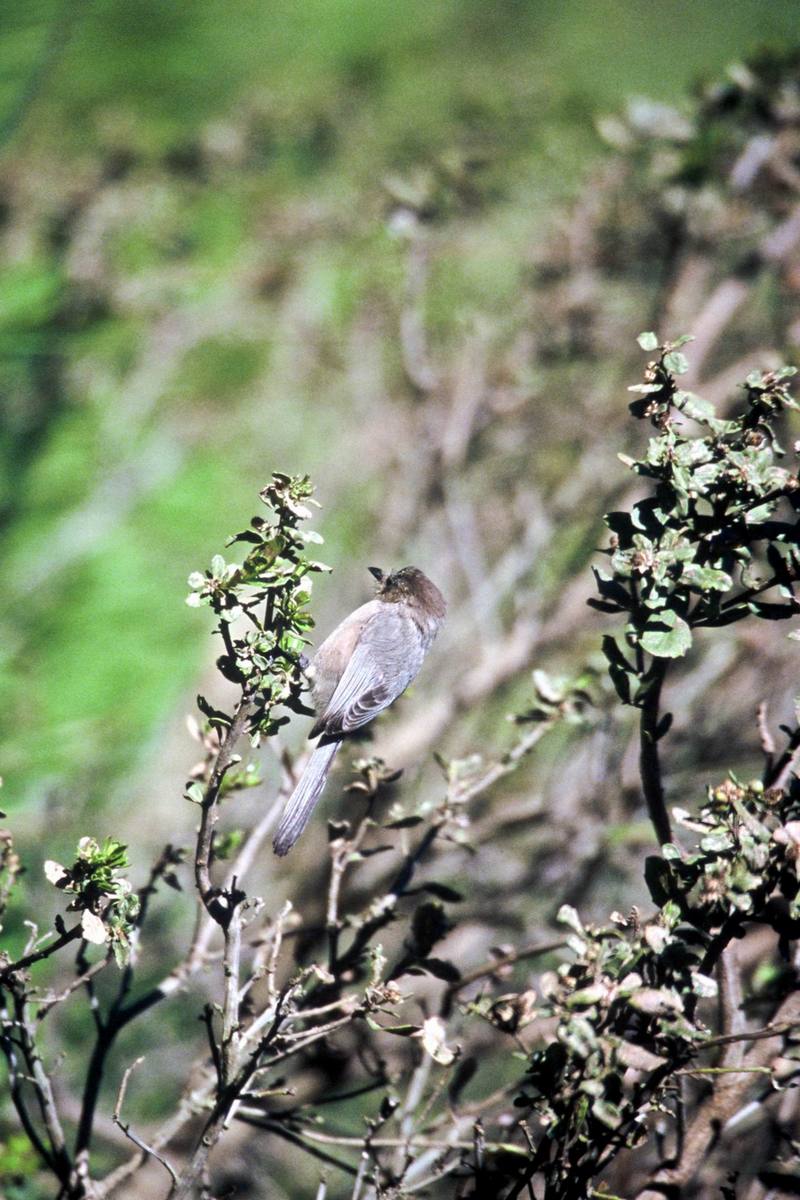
(407, 249)
(199, 283)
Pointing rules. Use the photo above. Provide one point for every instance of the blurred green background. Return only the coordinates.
(226, 232)
(199, 284)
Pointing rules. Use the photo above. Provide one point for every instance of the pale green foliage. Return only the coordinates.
(106, 900)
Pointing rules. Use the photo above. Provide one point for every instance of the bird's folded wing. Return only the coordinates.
(388, 655)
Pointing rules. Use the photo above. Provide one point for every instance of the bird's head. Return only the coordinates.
(412, 586)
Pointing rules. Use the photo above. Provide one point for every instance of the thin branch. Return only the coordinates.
(649, 760)
(69, 935)
(341, 856)
(765, 737)
(505, 960)
(207, 1017)
(43, 1090)
(49, 1001)
(230, 1003)
(330, 1139)
(777, 772)
(197, 955)
(272, 1126)
(148, 1151)
(726, 1099)
(507, 764)
(774, 1029)
(322, 1032)
(209, 810)
(277, 939)
(193, 1100)
(15, 1079)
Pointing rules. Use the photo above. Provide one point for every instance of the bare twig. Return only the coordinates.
(148, 1151)
(194, 1099)
(56, 1155)
(48, 1002)
(16, 1077)
(505, 960)
(777, 771)
(765, 736)
(649, 761)
(230, 1004)
(256, 1119)
(506, 765)
(69, 935)
(341, 856)
(209, 810)
(775, 1029)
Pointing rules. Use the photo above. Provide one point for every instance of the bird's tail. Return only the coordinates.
(300, 804)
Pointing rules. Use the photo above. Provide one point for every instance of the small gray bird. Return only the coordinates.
(365, 664)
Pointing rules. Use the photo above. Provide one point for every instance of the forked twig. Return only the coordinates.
(148, 1151)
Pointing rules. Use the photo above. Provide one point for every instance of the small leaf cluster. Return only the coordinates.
(625, 1006)
(106, 900)
(559, 698)
(625, 1001)
(718, 529)
(261, 605)
(747, 857)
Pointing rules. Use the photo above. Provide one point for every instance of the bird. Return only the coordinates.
(357, 672)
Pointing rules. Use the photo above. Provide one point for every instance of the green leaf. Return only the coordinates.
(664, 726)
(215, 715)
(442, 969)
(611, 589)
(619, 669)
(655, 1001)
(717, 841)
(666, 635)
(443, 892)
(704, 986)
(603, 606)
(694, 406)
(567, 915)
(585, 997)
(608, 1113)
(658, 878)
(195, 793)
(707, 579)
(676, 363)
(397, 1030)
(247, 535)
(648, 341)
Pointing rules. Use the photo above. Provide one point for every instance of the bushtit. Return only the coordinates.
(365, 664)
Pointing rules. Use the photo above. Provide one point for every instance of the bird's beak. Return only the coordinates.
(378, 573)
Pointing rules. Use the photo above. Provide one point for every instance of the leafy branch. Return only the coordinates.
(718, 529)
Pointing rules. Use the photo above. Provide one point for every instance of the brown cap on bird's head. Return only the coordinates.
(411, 585)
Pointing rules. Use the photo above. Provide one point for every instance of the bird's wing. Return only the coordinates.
(388, 655)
